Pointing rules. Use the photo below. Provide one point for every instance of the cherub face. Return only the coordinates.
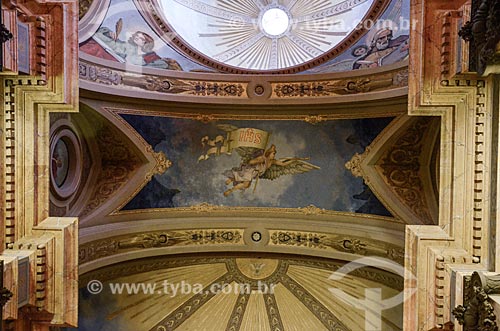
(139, 39)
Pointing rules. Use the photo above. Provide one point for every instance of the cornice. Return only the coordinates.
(145, 83)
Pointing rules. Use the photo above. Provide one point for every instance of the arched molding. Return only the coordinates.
(345, 236)
(92, 20)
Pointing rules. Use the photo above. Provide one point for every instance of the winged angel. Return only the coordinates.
(257, 163)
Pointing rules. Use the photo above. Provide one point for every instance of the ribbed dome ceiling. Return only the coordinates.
(264, 34)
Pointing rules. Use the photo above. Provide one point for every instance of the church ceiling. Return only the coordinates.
(138, 163)
(223, 36)
(188, 295)
(171, 163)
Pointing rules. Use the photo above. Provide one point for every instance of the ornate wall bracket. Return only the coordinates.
(5, 294)
(5, 34)
(483, 34)
(477, 313)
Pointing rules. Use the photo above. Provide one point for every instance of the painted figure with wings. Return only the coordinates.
(257, 163)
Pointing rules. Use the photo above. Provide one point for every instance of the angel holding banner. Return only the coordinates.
(256, 161)
(263, 165)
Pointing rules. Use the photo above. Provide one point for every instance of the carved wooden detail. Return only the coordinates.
(477, 312)
(483, 34)
(5, 294)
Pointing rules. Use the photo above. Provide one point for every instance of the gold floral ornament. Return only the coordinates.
(162, 163)
(312, 210)
(354, 165)
(204, 207)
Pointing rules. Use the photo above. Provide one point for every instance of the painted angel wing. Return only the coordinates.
(294, 167)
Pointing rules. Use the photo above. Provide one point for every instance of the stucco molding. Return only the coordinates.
(439, 85)
(127, 80)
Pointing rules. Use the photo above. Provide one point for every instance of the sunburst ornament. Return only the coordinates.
(264, 34)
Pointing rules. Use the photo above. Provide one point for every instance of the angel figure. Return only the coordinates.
(260, 164)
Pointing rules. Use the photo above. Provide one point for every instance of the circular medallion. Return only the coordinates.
(65, 163)
(256, 236)
(255, 268)
(60, 162)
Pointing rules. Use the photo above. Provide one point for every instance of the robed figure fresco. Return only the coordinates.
(137, 50)
(256, 161)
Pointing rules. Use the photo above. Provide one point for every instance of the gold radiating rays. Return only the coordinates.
(300, 299)
(233, 34)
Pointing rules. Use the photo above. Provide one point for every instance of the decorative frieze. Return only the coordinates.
(337, 242)
(362, 84)
(161, 84)
(103, 248)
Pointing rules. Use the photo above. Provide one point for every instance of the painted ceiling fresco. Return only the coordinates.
(124, 36)
(265, 163)
(386, 43)
(215, 293)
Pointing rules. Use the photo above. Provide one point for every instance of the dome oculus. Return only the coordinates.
(274, 22)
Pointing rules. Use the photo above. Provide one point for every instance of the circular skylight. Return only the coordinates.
(274, 21)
